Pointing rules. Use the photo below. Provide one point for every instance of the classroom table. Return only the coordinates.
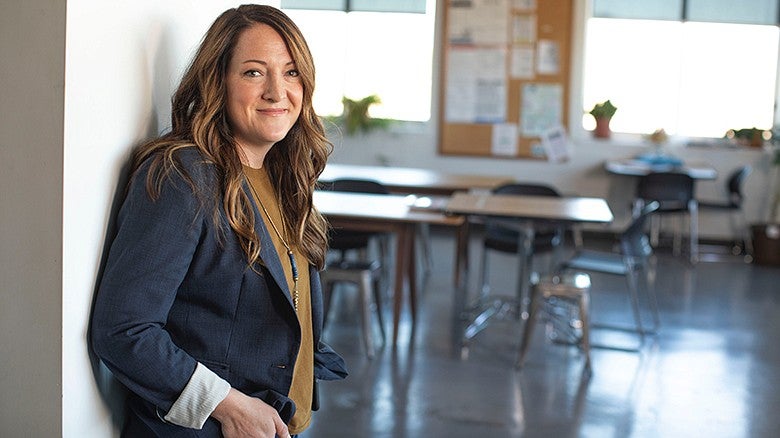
(422, 182)
(412, 180)
(636, 167)
(396, 214)
(522, 213)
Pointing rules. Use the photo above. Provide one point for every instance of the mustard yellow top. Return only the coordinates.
(303, 373)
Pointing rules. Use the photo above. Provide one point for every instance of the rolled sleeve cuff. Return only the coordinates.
(200, 397)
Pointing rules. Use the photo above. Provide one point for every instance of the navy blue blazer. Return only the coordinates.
(177, 290)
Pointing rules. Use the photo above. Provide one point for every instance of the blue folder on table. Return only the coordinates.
(659, 160)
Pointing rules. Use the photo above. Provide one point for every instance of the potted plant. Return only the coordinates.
(747, 136)
(356, 118)
(603, 113)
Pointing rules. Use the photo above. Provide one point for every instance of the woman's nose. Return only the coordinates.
(275, 90)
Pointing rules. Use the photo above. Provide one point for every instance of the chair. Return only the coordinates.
(498, 237)
(370, 275)
(571, 288)
(675, 194)
(343, 240)
(733, 205)
(631, 262)
(365, 275)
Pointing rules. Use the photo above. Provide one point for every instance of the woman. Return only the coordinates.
(206, 310)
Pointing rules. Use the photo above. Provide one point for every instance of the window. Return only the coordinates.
(716, 11)
(358, 54)
(691, 78)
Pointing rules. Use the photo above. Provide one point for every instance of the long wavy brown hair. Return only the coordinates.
(199, 120)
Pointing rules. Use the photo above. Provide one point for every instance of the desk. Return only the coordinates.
(391, 213)
(633, 167)
(522, 213)
(411, 180)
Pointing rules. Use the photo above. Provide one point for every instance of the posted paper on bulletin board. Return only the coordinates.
(541, 108)
(476, 87)
(478, 22)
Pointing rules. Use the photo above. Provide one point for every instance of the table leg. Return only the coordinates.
(398, 286)
(411, 269)
(461, 256)
(525, 252)
(461, 281)
(404, 271)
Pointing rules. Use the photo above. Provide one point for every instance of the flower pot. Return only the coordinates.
(757, 138)
(602, 128)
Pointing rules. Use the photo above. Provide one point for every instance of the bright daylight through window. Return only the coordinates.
(358, 54)
(692, 79)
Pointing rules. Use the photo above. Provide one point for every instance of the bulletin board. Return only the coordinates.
(505, 75)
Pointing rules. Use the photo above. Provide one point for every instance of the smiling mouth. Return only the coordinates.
(273, 111)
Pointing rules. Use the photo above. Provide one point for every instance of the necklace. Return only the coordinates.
(290, 255)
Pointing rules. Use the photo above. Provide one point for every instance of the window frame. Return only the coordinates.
(400, 122)
(583, 12)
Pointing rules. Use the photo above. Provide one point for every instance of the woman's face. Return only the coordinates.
(264, 90)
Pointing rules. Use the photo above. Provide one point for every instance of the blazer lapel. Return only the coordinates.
(268, 252)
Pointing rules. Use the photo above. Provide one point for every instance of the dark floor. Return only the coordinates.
(713, 370)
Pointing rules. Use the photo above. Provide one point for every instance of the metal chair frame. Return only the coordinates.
(733, 204)
(632, 263)
(345, 241)
(675, 193)
(571, 288)
(499, 238)
(365, 275)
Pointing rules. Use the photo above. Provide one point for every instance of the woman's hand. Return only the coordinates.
(244, 416)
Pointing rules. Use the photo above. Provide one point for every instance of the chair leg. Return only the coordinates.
(529, 327)
(636, 207)
(576, 234)
(652, 299)
(557, 253)
(484, 287)
(378, 303)
(677, 238)
(365, 299)
(654, 230)
(693, 217)
(742, 228)
(384, 259)
(633, 286)
(584, 303)
(424, 231)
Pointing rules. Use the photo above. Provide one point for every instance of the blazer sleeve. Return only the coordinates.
(148, 259)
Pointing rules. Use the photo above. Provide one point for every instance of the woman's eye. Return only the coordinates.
(252, 73)
(293, 73)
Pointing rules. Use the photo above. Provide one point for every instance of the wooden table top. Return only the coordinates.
(564, 209)
(374, 207)
(413, 180)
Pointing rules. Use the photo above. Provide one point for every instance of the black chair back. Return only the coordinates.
(672, 190)
(343, 240)
(735, 183)
(526, 189)
(356, 186)
(504, 239)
